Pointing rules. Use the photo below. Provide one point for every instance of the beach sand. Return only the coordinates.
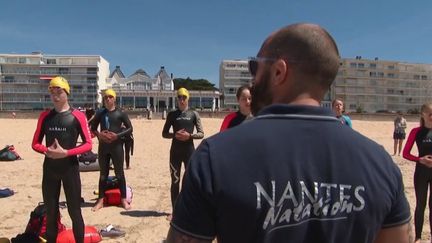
(149, 178)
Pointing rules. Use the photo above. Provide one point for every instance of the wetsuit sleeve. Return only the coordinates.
(167, 126)
(409, 144)
(128, 125)
(194, 211)
(348, 121)
(39, 135)
(84, 133)
(200, 132)
(95, 122)
(227, 120)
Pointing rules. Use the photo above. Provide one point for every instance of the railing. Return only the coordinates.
(42, 72)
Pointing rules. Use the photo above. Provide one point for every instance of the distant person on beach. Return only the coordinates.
(183, 121)
(422, 137)
(339, 109)
(399, 133)
(293, 173)
(236, 118)
(111, 119)
(61, 127)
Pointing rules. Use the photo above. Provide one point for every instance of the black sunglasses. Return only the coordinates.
(253, 63)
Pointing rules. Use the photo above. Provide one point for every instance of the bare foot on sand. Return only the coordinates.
(125, 204)
(169, 217)
(98, 205)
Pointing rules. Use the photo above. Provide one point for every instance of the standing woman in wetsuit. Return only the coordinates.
(183, 122)
(61, 127)
(111, 119)
(422, 137)
(244, 99)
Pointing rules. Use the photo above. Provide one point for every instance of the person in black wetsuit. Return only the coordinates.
(128, 141)
(422, 137)
(111, 120)
(244, 99)
(61, 127)
(183, 122)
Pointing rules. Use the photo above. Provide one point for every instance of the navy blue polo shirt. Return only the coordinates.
(294, 173)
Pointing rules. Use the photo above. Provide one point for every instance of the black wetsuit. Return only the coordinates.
(232, 120)
(181, 151)
(128, 141)
(422, 137)
(111, 121)
(65, 127)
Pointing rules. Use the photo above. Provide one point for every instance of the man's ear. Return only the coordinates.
(280, 71)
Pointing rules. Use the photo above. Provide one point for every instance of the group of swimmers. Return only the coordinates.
(62, 125)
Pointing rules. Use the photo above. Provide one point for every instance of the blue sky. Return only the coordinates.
(191, 38)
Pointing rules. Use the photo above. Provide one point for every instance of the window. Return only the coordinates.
(424, 77)
(380, 74)
(390, 75)
(372, 65)
(391, 67)
(361, 65)
(91, 80)
(352, 106)
(353, 65)
(416, 77)
(63, 70)
(22, 60)
(9, 79)
(91, 70)
(390, 91)
(51, 61)
(372, 74)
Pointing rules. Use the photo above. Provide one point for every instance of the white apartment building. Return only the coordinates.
(235, 73)
(24, 79)
(377, 85)
(232, 75)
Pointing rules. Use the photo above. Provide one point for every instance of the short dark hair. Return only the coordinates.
(310, 49)
(241, 88)
(337, 99)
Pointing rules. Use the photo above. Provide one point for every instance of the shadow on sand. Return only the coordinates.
(139, 213)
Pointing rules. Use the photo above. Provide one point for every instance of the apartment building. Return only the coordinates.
(377, 85)
(235, 73)
(24, 79)
(232, 75)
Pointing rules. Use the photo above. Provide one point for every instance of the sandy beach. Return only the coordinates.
(149, 178)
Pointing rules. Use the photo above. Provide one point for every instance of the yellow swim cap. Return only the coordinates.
(110, 92)
(183, 92)
(61, 83)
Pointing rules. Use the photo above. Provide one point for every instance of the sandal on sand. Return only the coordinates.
(111, 232)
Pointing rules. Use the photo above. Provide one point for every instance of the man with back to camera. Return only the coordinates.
(289, 177)
(111, 119)
(61, 127)
(183, 121)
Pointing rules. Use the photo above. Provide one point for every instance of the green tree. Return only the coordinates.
(193, 84)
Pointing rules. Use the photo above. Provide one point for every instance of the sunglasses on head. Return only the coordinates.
(253, 63)
(182, 97)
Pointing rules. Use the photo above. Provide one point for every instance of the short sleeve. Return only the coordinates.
(400, 209)
(194, 212)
